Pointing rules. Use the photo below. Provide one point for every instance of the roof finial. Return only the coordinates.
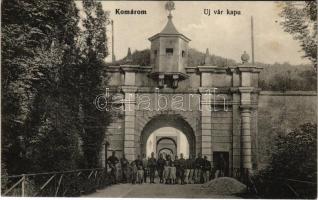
(207, 59)
(170, 6)
(245, 57)
(129, 56)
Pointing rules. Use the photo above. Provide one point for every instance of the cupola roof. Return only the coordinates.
(170, 30)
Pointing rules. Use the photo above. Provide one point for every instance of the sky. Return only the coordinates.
(225, 35)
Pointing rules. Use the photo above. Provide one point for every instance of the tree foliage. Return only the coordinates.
(294, 157)
(93, 51)
(43, 61)
(38, 46)
(195, 58)
(300, 20)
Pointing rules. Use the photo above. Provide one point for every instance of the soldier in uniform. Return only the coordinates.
(140, 171)
(124, 166)
(220, 167)
(112, 161)
(167, 169)
(199, 164)
(145, 167)
(206, 170)
(160, 167)
(175, 170)
(190, 169)
(134, 171)
(182, 167)
(152, 163)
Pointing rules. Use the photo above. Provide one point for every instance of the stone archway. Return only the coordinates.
(162, 144)
(168, 120)
(166, 151)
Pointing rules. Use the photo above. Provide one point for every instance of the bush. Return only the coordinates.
(294, 158)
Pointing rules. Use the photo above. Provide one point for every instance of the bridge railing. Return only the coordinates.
(56, 184)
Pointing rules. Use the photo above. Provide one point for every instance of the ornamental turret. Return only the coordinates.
(169, 53)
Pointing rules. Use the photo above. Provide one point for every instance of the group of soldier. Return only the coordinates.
(169, 170)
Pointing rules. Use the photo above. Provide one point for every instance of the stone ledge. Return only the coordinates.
(288, 93)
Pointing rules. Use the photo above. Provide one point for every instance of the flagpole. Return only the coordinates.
(252, 39)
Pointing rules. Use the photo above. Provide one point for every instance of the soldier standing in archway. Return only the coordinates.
(167, 169)
(199, 164)
(160, 167)
(145, 167)
(152, 163)
(182, 167)
(175, 170)
(190, 169)
(140, 171)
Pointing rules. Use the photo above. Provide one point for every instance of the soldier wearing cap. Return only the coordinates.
(152, 164)
(124, 166)
(182, 168)
(160, 167)
(206, 170)
(145, 167)
(190, 169)
(199, 164)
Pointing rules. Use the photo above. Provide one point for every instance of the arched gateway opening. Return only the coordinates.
(167, 140)
(167, 134)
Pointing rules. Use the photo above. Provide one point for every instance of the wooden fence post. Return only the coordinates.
(23, 186)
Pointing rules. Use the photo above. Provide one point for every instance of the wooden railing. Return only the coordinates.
(56, 184)
(260, 187)
(286, 188)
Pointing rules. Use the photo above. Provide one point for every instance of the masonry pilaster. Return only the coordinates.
(206, 123)
(236, 126)
(129, 90)
(245, 90)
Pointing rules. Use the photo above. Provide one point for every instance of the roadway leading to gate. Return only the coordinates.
(156, 191)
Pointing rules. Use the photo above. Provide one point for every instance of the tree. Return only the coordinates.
(301, 22)
(294, 157)
(38, 55)
(196, 58)
(93, 51)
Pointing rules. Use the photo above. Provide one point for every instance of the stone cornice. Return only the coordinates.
(246, 89)
(182, 76)
(238, 90)
(114, 89)
(288, 93)
(129, 68)
(135, 68)
(167, 90)
(113, 69)
(224, 70)
(191, 69)
(248, 107)
(129, 89)
(217, 90)
(212, 69)
(249, 68)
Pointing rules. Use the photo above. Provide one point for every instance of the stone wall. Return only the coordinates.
(279, 113)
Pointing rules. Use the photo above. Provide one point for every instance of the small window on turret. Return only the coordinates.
(169, 51)
(183, 53)
(155, 53)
